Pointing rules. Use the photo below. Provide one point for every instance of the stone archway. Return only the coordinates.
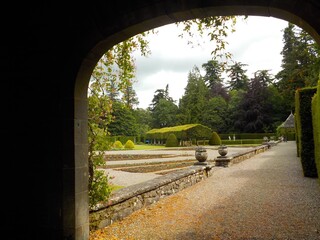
(160, 20)
(50, 53)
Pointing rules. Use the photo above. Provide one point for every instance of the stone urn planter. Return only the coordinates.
(201, 154)
(223, 150)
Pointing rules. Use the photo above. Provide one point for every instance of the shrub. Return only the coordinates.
(117, 144)
(172, 141)
(129, 145)
(215, 139)
(100, 189)
(316, 127)
(303, 117)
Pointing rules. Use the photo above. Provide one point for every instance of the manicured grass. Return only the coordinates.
(147, 147)
(243, 145)
(140, 147)
(242, 142)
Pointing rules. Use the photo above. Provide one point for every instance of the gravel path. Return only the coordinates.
(265, 197)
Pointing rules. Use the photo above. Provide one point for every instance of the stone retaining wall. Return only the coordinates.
(228, 160)
(241, 156)
(129, 199)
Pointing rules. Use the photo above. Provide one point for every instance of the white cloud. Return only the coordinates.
(257, 43)
(175, 80)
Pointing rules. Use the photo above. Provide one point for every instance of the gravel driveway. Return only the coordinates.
(265, 197)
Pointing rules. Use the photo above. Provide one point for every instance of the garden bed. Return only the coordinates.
(147, 168)
(120, 157)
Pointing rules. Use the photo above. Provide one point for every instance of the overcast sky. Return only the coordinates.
(256, 42)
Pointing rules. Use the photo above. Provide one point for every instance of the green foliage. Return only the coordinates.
(172, 129)
(105, 84)
(182, 132)
(158, 95)
(305, 130)
(215, 114)
(316, 127)
(287, 129)
(238, 78)
(129, 145)
(216, 27)
(300, 63)
(117, 145)
(98, 141)
(213, 78)
(255, 111)
(215, 139)
(172, 141)
(164, 113)
(144, 119)
(123, 121)
(194, 101)
(225, 136)
(121, 138)
(100, 189)
(98, 183)
(242, 141)
(297, 126)
(289, 133)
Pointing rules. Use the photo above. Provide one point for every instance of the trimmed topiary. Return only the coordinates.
(172, 141)
(215, 139)
(316, 127)
(129, 145)
(303, 114)
(182, 132)
(117, 144)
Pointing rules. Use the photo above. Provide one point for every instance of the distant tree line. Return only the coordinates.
(237, 104)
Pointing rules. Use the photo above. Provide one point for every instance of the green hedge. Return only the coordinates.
(215, 139)
(296, 130)
(182, 132)
(225, 136)
(316, 127)
(172, 141)
(242, 141)
(305, 142)
(289, 133)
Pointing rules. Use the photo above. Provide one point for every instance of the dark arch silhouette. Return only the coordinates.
(50, 50)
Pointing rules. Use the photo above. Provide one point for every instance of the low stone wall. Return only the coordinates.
(228, 160)
(129, 199)
(236, 158)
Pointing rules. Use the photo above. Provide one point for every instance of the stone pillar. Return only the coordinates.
(223, 161)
